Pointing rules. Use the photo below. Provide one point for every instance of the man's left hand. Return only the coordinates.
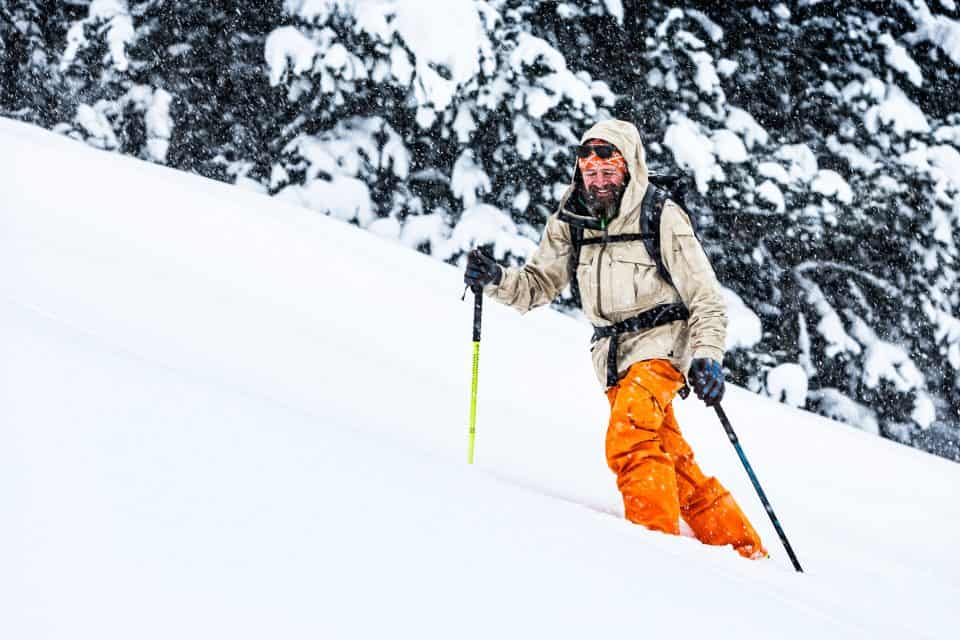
(706, 378)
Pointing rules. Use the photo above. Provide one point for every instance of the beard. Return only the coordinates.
(604, 205)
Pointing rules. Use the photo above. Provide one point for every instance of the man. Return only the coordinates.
(649, 331)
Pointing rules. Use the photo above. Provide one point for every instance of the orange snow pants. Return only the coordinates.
(656, 472)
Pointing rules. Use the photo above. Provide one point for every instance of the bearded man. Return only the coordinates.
(655, 328)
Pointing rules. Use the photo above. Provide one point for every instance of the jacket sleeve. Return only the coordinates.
(696, 283)
(544, 275)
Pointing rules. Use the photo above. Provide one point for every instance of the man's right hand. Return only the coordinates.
(481, 269)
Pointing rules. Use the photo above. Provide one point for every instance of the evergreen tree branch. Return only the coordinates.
(817, 265)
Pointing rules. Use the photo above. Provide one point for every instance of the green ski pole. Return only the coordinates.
(477, 310)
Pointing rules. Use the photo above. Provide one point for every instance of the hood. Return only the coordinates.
(625, 137)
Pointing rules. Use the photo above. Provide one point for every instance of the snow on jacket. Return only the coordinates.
(620, 280)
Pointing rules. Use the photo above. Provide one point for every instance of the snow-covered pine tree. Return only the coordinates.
(173, 81)
(869, 231)
(32, 34)
(838, 220)
(430, 127)
(519, 118)
(338, 73)
(109, 105)
(209, 58)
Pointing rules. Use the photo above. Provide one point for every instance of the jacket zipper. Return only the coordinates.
(603, 247)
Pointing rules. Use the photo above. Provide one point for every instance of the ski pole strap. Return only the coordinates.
(654, 317)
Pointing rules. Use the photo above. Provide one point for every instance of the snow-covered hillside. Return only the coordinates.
(223, 416)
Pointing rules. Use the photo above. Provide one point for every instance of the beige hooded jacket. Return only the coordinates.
(620, 280)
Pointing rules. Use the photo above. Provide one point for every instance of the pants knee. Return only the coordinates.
(650, 495)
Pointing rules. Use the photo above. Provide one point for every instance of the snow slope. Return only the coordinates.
(224, 416)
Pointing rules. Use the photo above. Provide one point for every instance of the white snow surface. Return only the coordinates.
(224, 416)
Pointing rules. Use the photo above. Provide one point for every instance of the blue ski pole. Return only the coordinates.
(756, 485)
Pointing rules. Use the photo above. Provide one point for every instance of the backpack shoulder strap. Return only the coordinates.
(576, 239)
(651, 212)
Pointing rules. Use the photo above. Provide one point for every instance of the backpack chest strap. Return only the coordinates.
(623, 237)
(654, 317)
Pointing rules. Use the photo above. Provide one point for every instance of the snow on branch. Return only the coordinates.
(885, 360)
(287, 49)
(880, 283)
(110, 17)
(545, 92)
(693, 150)
(947, 331)
(898, 58)
(835, 405)
(941, 31)
(830, 326)
(485, 224)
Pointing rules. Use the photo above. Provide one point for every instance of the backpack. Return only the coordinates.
(660, 189)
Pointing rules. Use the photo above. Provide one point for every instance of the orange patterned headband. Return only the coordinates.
(595, 163)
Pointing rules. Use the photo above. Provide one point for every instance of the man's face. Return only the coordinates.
(604, 179)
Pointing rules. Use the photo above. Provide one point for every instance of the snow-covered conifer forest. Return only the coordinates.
(822, 139)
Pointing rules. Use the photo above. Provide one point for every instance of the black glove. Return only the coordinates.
(706, 378)
(481, 269)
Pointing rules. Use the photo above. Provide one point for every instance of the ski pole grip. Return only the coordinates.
(477, 311)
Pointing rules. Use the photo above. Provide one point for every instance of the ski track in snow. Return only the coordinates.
(224, 416)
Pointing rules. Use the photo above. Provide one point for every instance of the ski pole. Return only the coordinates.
(477, 311)
(756, 485)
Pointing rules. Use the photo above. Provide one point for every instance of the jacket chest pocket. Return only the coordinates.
(634, 284)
